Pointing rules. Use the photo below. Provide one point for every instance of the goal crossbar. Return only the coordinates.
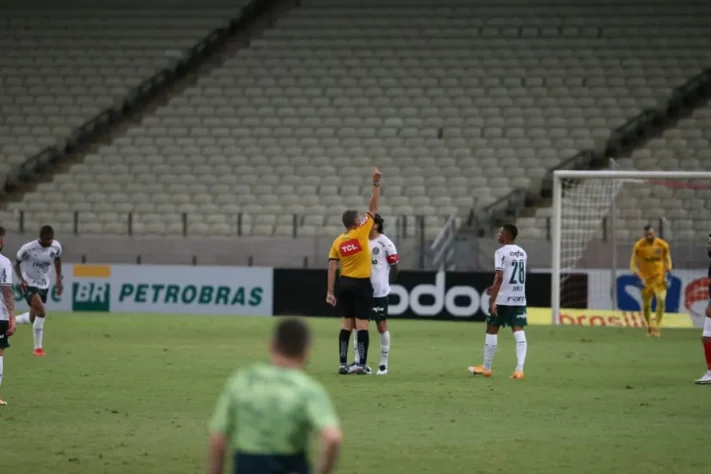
(557, 208)
(610, 174)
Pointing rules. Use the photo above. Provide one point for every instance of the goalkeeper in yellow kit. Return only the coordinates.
(650, 263)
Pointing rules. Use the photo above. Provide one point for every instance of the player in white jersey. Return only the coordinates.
(7, 306)
(34, 263)
(385, 270)
(508, 302)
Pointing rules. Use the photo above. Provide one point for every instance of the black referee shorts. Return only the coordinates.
(355, 296)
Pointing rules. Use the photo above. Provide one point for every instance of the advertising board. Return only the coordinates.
(415, 295)
(162, 289)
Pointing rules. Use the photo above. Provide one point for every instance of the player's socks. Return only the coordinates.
(38, 333)
(521, 348)
(647, 313)
(343, 339)
(490, 343)
(356, 355)
(707, 354)
(363, 343)
(1, 369)
(660, 316)
(24, 318)
(384, 349)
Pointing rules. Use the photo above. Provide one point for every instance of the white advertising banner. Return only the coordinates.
(168, 289)
(54, 301)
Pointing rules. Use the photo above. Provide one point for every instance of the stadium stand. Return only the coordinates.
(61, 67)
(458, 104)
(684, 207)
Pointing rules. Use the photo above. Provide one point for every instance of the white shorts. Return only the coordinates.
(707, 327)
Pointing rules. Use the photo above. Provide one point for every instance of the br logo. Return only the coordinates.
(91, 296)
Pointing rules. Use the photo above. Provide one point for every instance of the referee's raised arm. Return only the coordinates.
(375, 195)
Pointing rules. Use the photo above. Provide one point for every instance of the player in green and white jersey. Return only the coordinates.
(34, 264)
(508, 302)
(386, 268)
(268, 412)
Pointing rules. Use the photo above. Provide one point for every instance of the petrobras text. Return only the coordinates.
(162, 289)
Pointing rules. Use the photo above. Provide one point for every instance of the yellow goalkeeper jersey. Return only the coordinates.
(650, 260)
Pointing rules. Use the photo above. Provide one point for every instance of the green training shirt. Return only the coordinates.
(265, 409)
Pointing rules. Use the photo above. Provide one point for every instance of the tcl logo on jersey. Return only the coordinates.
(457, 301)
(350, 247)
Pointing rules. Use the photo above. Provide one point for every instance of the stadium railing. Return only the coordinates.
(442, 251)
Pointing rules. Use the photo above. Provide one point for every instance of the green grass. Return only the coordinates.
(132, 394)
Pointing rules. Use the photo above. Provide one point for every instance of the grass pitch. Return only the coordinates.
(132, 394)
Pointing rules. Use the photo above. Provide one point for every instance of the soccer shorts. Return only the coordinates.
(249, 463)
(511, 316)
(4, 339)
(655, 286)
(33, 290)
(379, 311)
(354, 297)
(707, 327)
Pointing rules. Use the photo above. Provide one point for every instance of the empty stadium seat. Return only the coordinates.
(683, 208)
(62, 66)
(459, 104)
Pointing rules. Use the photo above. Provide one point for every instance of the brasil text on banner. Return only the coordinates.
(604, 318)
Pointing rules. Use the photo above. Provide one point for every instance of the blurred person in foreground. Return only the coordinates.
(651, 264)
(267, 412)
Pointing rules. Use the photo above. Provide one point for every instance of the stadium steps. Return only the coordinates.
(671, 112)
(647, 152)
(13, 192)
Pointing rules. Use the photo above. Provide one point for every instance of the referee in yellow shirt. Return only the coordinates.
(650, 263)
(355, 292)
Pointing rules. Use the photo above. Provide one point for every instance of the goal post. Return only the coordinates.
(598, 215)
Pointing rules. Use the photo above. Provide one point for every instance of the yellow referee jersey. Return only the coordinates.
(353, 250)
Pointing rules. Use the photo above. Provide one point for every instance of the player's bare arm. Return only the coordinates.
(330, 294)
(58, 273)
(394, 272)
(218, 448)
(331, 440)
(375, 196)
(498, 279)
(18, 272)
(9, 299)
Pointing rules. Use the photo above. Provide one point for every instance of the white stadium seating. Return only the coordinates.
(458, 103)
(62, 66)
(684, 207)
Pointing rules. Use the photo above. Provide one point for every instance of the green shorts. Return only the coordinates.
(508, 316)
(379, 311)
(4, 339)
(33, 290)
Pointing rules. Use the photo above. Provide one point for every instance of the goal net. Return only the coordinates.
(597, 218)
